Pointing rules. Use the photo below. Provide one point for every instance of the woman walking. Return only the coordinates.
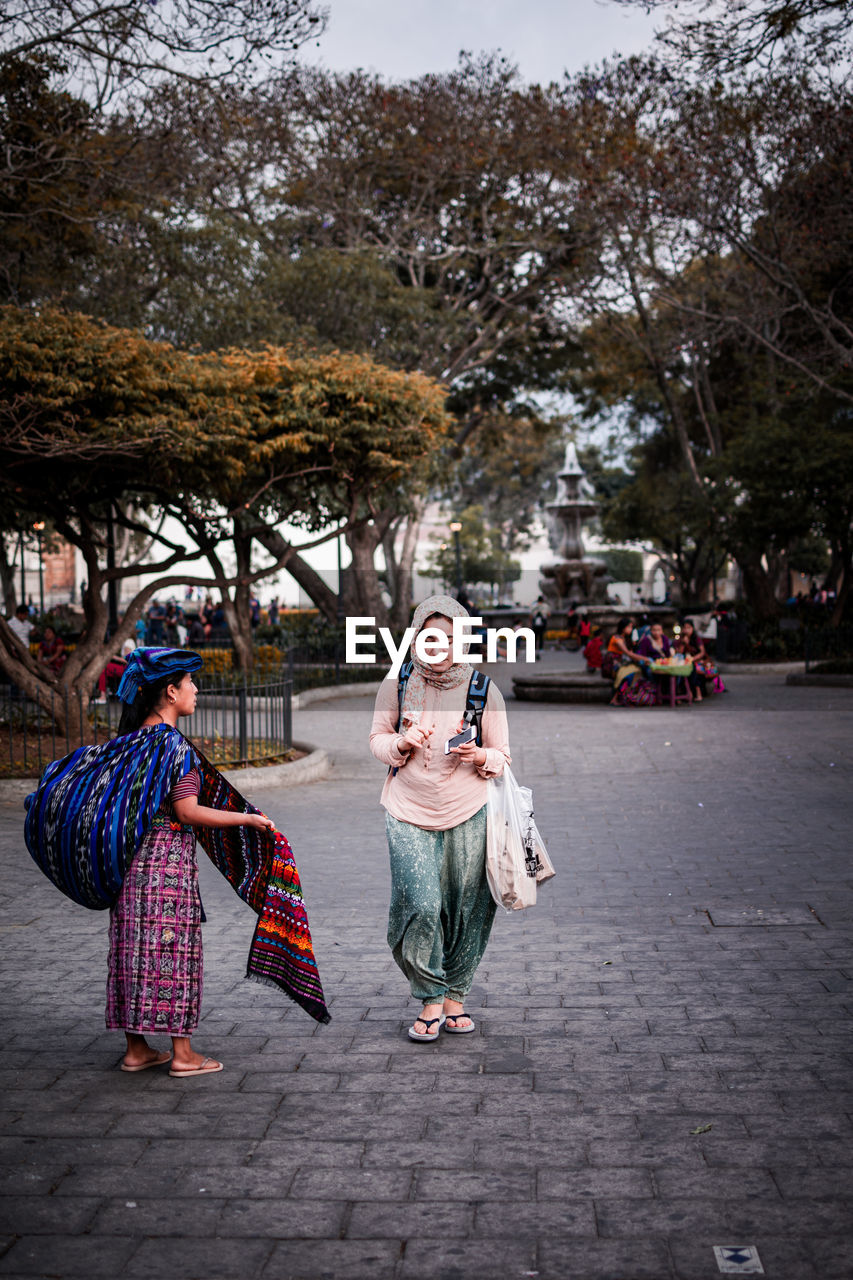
(441, 910)
(114, 826)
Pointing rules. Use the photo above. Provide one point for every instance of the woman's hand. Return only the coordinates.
(413, 738)
(470, 752)
(259, 821)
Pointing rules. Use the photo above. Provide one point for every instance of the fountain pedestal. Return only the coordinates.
(572, 578)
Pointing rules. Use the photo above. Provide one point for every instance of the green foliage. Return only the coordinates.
(101, 423)
(482, 559)
(623, 565)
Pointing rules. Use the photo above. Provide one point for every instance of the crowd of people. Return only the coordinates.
(638, 660)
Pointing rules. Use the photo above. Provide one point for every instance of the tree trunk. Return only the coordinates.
(308, 579)
(362, 578)
(7, 578)
(22, 669)
(402, 604)
(845, 582)
(238, 612)
(759, 587)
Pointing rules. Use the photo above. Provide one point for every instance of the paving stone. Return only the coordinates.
(457, 1259)
(313, 1152)
(559, 1183)
(66, 1255)
(506, 1186)
(222, 1259)
(333, 1259)
(46, 1215)
(433, 1219)
(564, 1218)
(289, 1219)
(355, 1184)
(620, 1218)
(577, 1093)
(640, 1259)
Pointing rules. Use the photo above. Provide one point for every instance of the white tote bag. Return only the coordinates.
(516, 857)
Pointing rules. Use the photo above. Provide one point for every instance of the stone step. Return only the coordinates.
(561, 686)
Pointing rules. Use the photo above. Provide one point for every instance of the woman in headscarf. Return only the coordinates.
(115, 826)
(441, 909)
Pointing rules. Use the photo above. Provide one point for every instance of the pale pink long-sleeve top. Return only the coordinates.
(430, 789)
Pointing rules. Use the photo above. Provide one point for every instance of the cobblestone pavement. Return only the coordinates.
(662, 1058)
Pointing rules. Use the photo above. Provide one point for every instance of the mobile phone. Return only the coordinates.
(467, 735)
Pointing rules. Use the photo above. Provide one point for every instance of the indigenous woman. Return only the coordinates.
(441, 910)
(114, 826)
(690, 642)
(51, 652)
(155, 962)
(631, 688)
(654, 645)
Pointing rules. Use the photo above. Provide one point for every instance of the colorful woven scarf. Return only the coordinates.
(92, 808)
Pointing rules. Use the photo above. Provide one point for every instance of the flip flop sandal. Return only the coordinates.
(159, 1061)
(428, 1022)
(202, 1070)
(458, 1031)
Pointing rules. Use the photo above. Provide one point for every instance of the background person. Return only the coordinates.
(441, 910)
(690, 645)
(20, 625)
(540, 612)
(52, 653)
(625, 666)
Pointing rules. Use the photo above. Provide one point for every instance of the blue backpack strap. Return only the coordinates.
(402, 680)
(475, 703)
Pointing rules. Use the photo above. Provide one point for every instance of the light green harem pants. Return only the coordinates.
(441, 909)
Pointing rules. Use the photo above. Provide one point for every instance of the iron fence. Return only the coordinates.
(237, 722)
(828, 644)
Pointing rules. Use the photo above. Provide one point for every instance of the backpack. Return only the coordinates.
(475, 701)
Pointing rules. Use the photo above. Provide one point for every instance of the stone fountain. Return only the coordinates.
(574, 576)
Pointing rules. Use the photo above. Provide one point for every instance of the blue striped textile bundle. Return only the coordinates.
(92, 808)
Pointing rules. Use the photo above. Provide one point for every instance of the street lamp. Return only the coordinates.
(39, 528)
(456, 529)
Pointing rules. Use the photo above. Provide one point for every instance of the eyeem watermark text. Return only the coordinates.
(432, 645)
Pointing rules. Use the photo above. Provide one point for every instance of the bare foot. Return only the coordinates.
(139, 1054)
(429, 1012)
(454, 1011)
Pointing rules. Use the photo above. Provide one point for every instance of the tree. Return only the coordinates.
(508, 478)
(482, 562)
(101, 425)
(738, 33)
(110, 44)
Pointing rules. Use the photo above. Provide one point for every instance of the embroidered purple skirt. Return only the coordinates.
(155, 964)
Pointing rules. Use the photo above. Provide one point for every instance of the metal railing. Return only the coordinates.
(236, 722)
(827, 644)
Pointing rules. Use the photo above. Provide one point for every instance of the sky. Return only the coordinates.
(403, 39)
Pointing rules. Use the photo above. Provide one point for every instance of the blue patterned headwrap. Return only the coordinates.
(144, 666)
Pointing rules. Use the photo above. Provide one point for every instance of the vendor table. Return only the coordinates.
(671, 672)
